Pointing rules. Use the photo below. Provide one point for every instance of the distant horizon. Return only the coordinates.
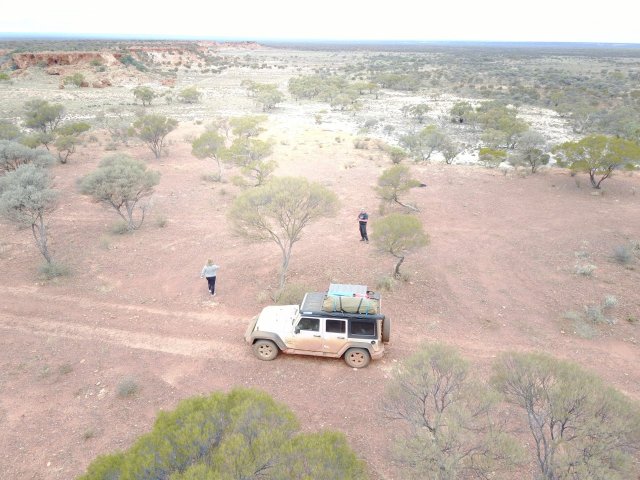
(371, 41)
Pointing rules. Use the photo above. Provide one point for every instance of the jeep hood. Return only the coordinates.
(277, 318)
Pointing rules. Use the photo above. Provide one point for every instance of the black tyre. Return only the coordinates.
(265, 349)
(386, 330)
(357, 357)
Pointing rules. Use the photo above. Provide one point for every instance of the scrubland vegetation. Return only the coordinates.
(524, 110)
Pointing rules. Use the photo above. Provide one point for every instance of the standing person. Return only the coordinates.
(363, 218)
(209, 272)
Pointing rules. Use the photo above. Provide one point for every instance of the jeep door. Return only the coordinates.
(307, 335)
(334, 335)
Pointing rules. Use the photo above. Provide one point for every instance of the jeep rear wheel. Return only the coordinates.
(265, 349)
(357, 357)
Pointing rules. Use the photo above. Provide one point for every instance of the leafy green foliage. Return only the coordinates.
(243, 434)
(448, 419)
(530, 151)
(598, 155)
(121, 182)
(424, 143)
(190, 95)
(399, 234)
(503, 120)
(153, 129)
(394, 182)
(68, 138)
(144, 94)
(209, 144)
(13, 155)
(42, 116)
(9, 131)
(248, 126)
(490, 157)
(580, 428)
(265, 94)
(26, 198)
(129, 60)
(77, 80)
(250, 154)
(279, 210)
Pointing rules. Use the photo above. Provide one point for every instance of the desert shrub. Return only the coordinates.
(622, 254)
(4, 76)
(120, 227)
(190, 95)
(128, 387)
(51, 270)
(595, 314)
(129, 60)
(292, 294)
(586, 270)
(65, 369)
(77, 79)
(385, 283)
(609, 301)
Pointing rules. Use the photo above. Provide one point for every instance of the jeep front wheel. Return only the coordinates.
(265, 349)
(357, 357)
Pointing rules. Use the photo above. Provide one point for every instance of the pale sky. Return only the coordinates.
(612, 21)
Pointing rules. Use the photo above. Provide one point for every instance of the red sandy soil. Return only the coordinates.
(498, 275)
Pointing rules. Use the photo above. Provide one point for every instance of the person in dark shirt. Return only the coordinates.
(363, 218)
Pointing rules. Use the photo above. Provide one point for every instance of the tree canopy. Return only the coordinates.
(279, 210)
(14, 154)
(580, 428)
(399, 234)
(121, 182)
(26, 198)
(449, 423)
(599, 156)
(240, 435)
(153, 129)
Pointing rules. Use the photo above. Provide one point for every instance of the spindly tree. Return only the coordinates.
(579, 427)
(27, 198)
(240, 435)
(121, 182)
(394, 182)
(279, 210)
(398, 234)
(153, 129)
(210, 144)
(599, 156)
(68, 137)
(449, 424)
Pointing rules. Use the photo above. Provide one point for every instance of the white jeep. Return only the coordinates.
(343, 322)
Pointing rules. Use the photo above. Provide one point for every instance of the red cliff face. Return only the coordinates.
(26, 60)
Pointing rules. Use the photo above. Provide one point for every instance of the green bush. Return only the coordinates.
(128, 387)
(52, 270)
(243, 434)
(622, 254)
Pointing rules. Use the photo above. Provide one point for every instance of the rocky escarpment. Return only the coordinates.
(25, 60)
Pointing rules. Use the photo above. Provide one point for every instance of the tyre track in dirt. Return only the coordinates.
(87, 320)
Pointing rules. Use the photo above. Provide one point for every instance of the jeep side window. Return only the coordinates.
(306, 323)
(335, 326)
(365, 329)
